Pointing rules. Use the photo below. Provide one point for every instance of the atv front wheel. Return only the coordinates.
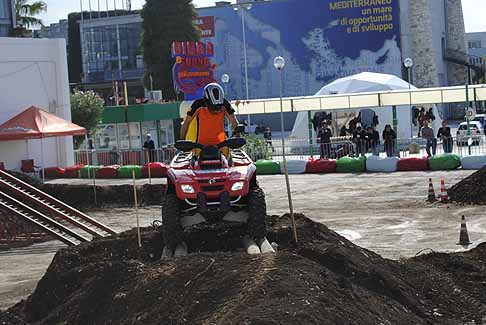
(172, 232)
(257, 211)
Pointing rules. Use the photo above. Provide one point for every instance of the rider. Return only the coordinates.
(208, 114)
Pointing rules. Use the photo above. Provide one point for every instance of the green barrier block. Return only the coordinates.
(351, 165)
(92, 171)
(126, 171)
(445, 162)
(267, 167)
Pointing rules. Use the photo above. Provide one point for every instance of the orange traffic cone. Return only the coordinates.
(431, 196)
(443, 192)
(463, 236)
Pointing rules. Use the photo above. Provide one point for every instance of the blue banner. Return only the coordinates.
(321, 40)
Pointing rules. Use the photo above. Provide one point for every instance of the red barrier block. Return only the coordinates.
(412, 164)
(73, 171)
(54, 172)
(320, 166)
(108, 172)
(157, 169)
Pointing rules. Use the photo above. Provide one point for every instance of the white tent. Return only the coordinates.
(362, 83)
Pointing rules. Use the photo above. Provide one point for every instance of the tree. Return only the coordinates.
(165, 21)
(86, 111)
(25, 13)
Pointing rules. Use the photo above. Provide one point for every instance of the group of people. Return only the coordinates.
(368, 140)
(365, 139)
(421, 117)
(444, 134)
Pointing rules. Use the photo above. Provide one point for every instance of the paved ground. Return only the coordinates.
(386, 213)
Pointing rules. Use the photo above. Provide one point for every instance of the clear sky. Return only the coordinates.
(474, 10)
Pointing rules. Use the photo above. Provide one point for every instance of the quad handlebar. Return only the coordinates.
(232, 143)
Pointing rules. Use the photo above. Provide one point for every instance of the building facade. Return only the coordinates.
(55, 30)
(111, 49)
(7, 17)
(39, 66)
(476, 44)
(338, 40)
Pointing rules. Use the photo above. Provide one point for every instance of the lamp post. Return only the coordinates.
(244, 8)
(279, 64)
(408, 63)
(225, 79)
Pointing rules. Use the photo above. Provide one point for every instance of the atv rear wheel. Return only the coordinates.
(172, 232)
(257, 213)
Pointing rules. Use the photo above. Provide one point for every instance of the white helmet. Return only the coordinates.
(214, 94)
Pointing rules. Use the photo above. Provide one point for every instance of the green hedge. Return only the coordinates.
(447, 161)
(126, 171)
(267, 167)
(351, 165)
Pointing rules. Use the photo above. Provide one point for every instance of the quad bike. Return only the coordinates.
(208, 188)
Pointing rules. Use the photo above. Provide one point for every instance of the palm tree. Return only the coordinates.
(25, 15)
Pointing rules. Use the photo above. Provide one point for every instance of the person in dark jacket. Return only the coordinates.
(149, 148)
(389, 140)
(324, 136)
(359, 138)
(445, 135)
(430, 115)
(373, 140)
(343, 132)
(267, 134)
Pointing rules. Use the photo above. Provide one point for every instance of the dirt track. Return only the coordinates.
(324, 280)
(386, 213)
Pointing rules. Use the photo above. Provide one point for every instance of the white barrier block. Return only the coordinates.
(294, 166)
(377, 164)
(473, 162)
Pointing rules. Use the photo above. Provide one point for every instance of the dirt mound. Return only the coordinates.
(471, 190)
(324, 280)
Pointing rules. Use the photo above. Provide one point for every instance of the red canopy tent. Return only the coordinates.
(35, 123)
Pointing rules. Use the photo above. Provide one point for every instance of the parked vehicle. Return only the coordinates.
(480, 118)
(477, 133)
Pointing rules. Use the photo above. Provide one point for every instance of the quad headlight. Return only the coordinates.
(238, 186)
(188, 189)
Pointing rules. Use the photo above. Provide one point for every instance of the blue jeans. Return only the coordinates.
(431, 144)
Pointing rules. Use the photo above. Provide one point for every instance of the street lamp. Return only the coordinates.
(279, 64)
(244, 8)
(408, 63)
(225, 78)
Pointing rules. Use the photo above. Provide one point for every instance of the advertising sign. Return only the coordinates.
(321, 40)
(193, 69)
(206, 25)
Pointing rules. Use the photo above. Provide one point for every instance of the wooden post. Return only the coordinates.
(139, 237)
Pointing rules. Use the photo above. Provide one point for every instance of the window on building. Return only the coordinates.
(474, 44)
(4, 9)
(106, 137)
(166, 132)
(135, 138)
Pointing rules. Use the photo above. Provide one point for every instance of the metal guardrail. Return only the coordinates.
(300, 149)
(123, 157)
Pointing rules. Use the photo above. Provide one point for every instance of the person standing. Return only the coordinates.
(373, 140)
(389, 140)
(422, 117)
(267, 134)
(428, 135)
(359, 138)
(445, 135)
(149, 146)
(324, 136)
